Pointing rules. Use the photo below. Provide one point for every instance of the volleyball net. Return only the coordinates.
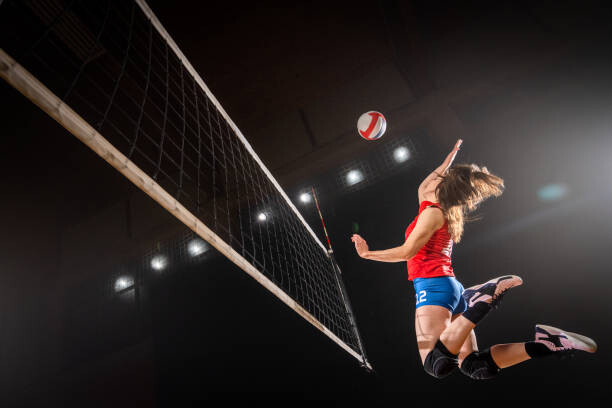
(111, 75)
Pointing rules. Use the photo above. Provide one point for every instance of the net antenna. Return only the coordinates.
(130, 95)
(338, 273)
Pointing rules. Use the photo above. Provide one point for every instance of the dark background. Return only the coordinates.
(527, 86)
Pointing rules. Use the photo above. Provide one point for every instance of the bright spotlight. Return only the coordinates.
(123, 282)
(159, 262)
(196, 247)
(401, 154)
(305, 198)
(353, 177)
(262, 216)
(553, 192)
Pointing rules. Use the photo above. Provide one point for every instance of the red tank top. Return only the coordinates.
(434, 258)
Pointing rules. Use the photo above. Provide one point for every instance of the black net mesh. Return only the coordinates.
(107, 61)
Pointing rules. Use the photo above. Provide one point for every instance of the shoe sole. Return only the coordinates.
(503, 285)
(585, 342)
(508, 283)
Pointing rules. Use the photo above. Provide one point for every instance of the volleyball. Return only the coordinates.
(371, 125)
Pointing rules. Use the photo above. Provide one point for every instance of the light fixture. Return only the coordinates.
(353, 177)
(196, 247)
(159, 262)
(123, 282)
(262, 216)
(305, 198)
(401, 154)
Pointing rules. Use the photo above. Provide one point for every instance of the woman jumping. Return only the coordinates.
(446, 314)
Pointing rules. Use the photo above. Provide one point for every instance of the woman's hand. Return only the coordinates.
(451, 157)
(458, 145)
(361, 246)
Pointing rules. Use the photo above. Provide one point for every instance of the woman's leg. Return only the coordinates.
(548, 341)
(469, 345)
(456, 334)
(480, 300)
(478, 364)
(506, 355)
(459, 338)
(429, 322)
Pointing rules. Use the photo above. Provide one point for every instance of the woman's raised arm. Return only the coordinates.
(441, 169)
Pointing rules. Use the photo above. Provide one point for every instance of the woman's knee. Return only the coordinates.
(439, 361)
(479, 365)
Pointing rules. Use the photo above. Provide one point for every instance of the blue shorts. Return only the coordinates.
(442, 291)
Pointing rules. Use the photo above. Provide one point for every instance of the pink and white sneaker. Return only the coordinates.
(557, 340)
(492, 291)
(481, 299)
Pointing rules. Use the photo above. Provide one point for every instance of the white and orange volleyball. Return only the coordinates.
(371, 125)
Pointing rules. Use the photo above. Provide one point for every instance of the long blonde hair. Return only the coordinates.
(462, 188)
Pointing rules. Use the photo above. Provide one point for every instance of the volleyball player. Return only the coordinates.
(446, 314)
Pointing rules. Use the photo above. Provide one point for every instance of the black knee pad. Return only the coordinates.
(479, 365)
(440, 362)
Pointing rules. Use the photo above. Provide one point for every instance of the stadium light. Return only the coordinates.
(159, 262)
(123, 282)
(353, 177)
(401, 154)
(305, 198)
(196, 247)
(262, 217)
